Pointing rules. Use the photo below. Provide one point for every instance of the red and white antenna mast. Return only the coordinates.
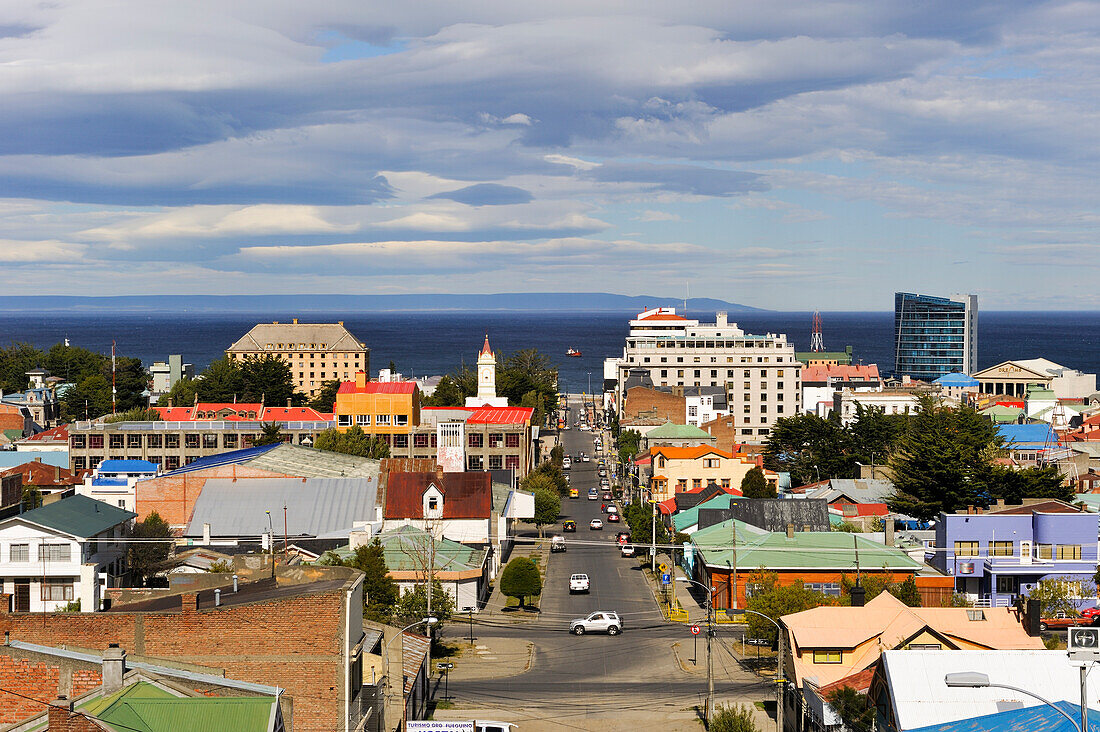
(817, 341)
(113, 391)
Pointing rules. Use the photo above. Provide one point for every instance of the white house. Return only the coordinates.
(113, 482)
(890, 402)
(64, 551)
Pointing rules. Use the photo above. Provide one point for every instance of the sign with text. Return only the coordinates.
(439, 726)
(666, 579)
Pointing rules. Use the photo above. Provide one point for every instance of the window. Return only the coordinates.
(966, 548)
(925, 647)
(495, 439)
(1007, 585)
(696, 482)
(779, 373)
(95, 442)
(20, 553)
(828, 656)
(210, 442)
(133, 441)
(496, 462)
(1069, 551)
(476, 440)
(171, 462)
(1001, 549)
(473, 462)
(826, 588)
(115, 441)
(711, 463)
(681, 484)
(1044, 551)
(54, 552)
(420, 440)
(511, 462)
(975, 615)
(190, 441)
(433, 503)
(661, 461)
(172, 442)
(79, 463)
(343, 420)
(362, 419)
(400, 440)
(382, 419)
(229, 442)
(401, 420)
(154, 441)
(56, 590)
(78, 441)
(693, 411)
(511, 440)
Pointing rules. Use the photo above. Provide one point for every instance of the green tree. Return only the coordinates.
(547, 508)
(520, 579)
(88, 399)
(137, 414)
(853, 708)
(352, 441)
(551, 472)
(875, 584)
(874, 434)
(130, 380)
(810, 448)
(1060, 596)
(221, 382)
(379, 589)
(1015, 485)
(74, 364)
(325, 400)
(270, 433)
(149, 557)
(220, 567)
(182, 394)
(732, 718)
(557, 455)
(755, 485)
(627, 444)
(907, 592)
(32, 497)
(413, 604)
(639, 517)
(268, 378)
(528, 375)
(15, 361)
(943, 461)
(775, 600)
(447, 394)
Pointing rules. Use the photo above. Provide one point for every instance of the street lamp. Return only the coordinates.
(978, 680)
(709, 712)
(779, 676)
(386, 662)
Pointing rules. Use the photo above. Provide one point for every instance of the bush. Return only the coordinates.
(520, 579)
(732, 718)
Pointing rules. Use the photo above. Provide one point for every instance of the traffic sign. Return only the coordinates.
(695, 630)
(663, 567)
(444, 666)
(666, 579)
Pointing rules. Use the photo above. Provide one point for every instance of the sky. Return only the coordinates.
(787, 155)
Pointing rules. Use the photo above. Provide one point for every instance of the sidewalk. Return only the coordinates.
(492, 658)
(538, 551)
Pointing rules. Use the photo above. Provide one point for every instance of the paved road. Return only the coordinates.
(579, 681)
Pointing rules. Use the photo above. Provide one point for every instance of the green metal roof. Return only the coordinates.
(144, 707)
(1001, 413)
(690, 517)
(671, 431)
(811, 550)
(406, 547)
(77, 516)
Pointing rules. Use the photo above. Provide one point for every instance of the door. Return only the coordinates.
(22, 596)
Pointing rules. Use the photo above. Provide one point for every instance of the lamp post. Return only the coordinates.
(386, 663)
(780, 679)
(709, 711)
(977, 680)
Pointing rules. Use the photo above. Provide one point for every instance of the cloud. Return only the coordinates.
(688, 179)
(651, 216)
(487, 194)
(33, 252)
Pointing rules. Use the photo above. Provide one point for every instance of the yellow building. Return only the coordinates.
(681, 469)
(316, 352)
(379, 408)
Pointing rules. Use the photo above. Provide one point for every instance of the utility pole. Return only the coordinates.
(653, 538)
(1084, 698)
(709, 712)
(780, 683)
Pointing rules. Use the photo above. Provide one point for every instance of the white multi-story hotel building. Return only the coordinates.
(759, 372)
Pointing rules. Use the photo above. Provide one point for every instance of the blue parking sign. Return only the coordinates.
(666, 579)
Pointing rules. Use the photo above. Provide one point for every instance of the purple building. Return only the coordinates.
(997, 555)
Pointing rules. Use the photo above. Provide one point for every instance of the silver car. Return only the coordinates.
(600, 621)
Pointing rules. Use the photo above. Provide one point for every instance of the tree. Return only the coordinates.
(557, 455)
(552, 473)
(32, 497)
(1015, 485)
(853, 708)
(326, 396)
(447, 393)
(1060, 596)
(379, 589)
(74, 364)
(755, 485)
(943, 461)
(520, 579)
(810, 448)
(627, 444)
(149, 557)
(268, 378)
(222, 381)
(639, 517)
(137, 414)
(547, 508)
(413, 604)
(353, 441)
(775, 600)
(220, 567)
(270, 433)
(15, 361)
(732, 718)
(182, 394)
(875, 584)
(88, 399)
(874, 434)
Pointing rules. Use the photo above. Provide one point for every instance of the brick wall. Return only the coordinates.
(642, 402)
(292, 642)
(63, 719)
(42, 681)
(174, 497)
(724, 432)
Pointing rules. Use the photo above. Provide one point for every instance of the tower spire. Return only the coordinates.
(485, 350)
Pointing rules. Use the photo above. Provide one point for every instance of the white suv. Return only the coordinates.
(579, 583)
(600, 621)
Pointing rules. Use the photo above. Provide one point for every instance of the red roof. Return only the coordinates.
(667, 506)
(501, 415)
(174, 414)
(485, 350)
(377, 387)
(40, 474)
(836, 372)
(660, 316)
(295, 414)
(59, 433)
(465, 495)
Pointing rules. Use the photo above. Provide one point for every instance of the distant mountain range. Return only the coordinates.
(511, 301)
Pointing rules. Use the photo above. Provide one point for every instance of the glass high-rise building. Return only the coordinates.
(934, 336)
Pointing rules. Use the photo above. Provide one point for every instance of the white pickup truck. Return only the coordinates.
(579, 583)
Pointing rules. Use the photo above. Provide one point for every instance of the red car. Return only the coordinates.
(612, 518)
(607, 496)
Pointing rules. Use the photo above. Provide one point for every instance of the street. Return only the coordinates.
(598, 681)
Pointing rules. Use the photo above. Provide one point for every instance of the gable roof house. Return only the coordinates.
(55, 554)
(830, 647)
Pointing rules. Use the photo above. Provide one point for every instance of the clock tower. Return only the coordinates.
(486, 380)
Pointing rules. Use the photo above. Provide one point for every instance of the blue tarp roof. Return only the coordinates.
(234, 457)
(1024, 434)
(956, 379)
(1039, 718)
(127, 466)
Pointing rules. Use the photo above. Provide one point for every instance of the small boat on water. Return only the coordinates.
(574, 353)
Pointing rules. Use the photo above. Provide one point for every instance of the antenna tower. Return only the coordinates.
(1054, 451)
(817, 341)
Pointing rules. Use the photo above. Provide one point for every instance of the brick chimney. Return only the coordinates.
(439, 472)
(189, 602)
(114, 668)
(361, 379)
(60, 711)
(790, 531)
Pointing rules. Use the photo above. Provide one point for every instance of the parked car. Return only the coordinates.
(557, 544)
(579, 583)
(569, 525)
(613, 518)
(1091, 615)
(600, 621)
(1061, 621)
(595, 525)
(627, 550)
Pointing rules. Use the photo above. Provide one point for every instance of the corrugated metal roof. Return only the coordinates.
(673, 431)
(465, 495)
(77, 516)
(501, 415)
(378, 387)
(919, 697)
(202, 714)
(233, 457)
(1033, 719)
(315, 507)
(414, 649)
(127, 466)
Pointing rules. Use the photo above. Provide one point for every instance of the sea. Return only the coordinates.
(431, 343)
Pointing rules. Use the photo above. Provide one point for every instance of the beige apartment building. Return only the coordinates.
(316, 352)
(760, 373)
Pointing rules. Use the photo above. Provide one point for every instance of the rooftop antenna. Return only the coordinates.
(817, 341)
(687, 293)
(113, 391)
